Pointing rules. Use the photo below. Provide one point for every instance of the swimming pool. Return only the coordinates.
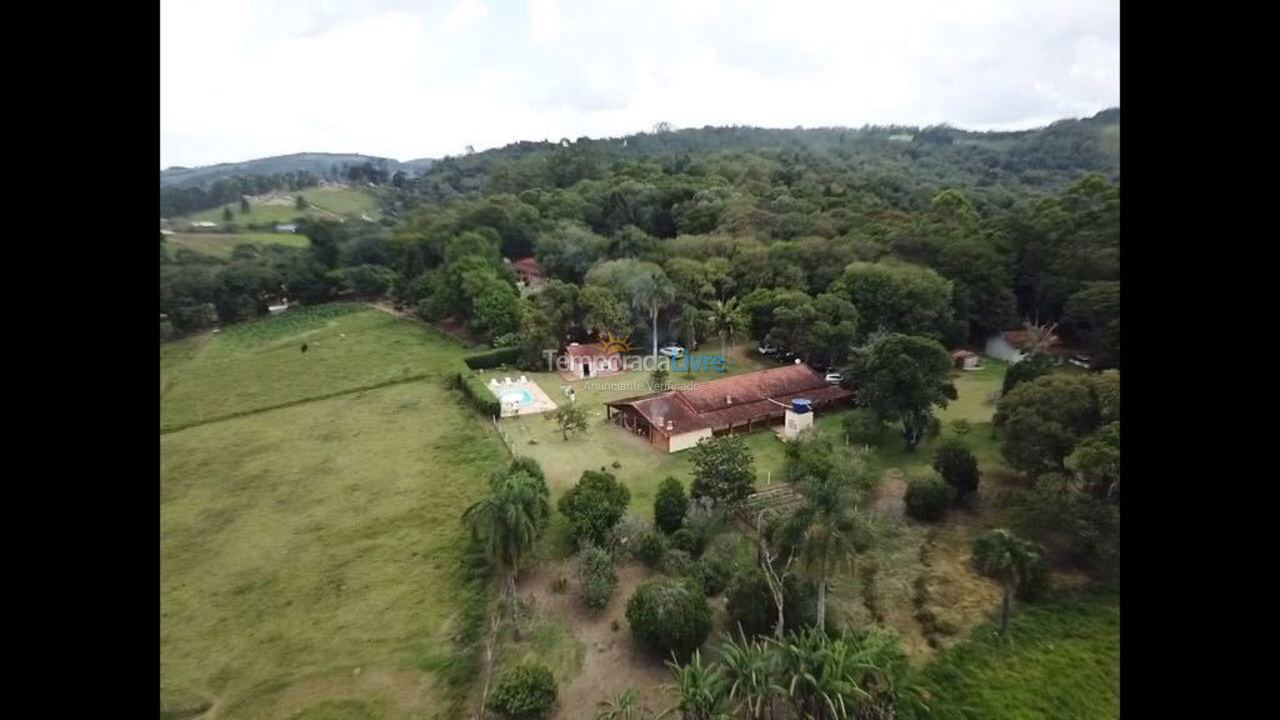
(518, 396)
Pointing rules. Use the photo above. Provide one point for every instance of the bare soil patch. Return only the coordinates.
(612, 662)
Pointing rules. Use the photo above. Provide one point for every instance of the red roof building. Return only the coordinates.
(527, 269)
(676, 420)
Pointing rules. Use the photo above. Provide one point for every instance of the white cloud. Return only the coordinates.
(465, 14)
(242, 79)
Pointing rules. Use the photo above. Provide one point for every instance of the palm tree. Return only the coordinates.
(688, 323)
(726, 319)
(1009, 558)
(701, 690)
(750, 669)
(831, 534)
(623, 707)
(507, 524)
(653, 291)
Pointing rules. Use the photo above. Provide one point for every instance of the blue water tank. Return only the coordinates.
(801, 406)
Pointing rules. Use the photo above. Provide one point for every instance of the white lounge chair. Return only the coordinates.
(524, 379)
(506, 381)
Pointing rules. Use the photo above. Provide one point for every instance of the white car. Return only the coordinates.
(834, 378)
(672, 351)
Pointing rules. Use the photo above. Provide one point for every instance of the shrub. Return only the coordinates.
(526, 692)
(649, 549)
(476, 391)
(529, 466)
(704, 521)
(957, 466)
(669, 506)
(961, 426)
(683, 539)
(1035, 586)
(595, 576)
(712, 574)
(624, 534)
(749, 603)
(933, 427)
(718, 563)
(864, 427)
(679, 563)
(928, 498)
(669, 617)
(492, 358)
(594, 506)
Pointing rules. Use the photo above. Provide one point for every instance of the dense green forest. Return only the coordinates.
(810, 239)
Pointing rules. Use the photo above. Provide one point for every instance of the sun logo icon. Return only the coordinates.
(611, 343)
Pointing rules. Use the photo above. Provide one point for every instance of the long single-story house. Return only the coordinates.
(676, 420)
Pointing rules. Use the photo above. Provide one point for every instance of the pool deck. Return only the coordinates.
(541, 403)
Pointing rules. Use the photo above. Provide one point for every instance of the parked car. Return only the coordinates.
(672, 351)
(834, 378)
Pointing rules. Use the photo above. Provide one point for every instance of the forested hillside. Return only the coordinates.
(831, 234)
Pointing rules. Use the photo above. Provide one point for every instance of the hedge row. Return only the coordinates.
(493, 358)
(475, 389)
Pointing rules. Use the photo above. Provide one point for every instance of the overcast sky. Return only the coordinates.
(241, 79)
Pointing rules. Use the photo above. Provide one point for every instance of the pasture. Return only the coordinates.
(260, 364)
(323, 202)
(220, 245)
(310, 554)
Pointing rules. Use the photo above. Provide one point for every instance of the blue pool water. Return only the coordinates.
(518, 396)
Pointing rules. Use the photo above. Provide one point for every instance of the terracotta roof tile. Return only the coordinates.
(753, 395)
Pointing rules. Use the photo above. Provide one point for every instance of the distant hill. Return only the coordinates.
(319, 164)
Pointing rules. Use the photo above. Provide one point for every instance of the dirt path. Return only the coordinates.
(886, 498)
(612, 662)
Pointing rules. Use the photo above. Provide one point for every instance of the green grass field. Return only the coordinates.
(310, 555)
(220, 245)
(327, 202)
(260, 364)
(1061, 660)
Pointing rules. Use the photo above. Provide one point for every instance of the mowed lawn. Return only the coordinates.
(309, 555)
(260, 364)
(220, 245)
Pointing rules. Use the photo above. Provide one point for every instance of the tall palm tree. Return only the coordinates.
(507, 524)
(701, 691)
(831, 535)
(654, 291)
(726, 319)
(1010, 559)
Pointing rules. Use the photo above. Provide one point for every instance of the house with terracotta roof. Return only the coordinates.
(676, 420)
(590, 361)
(529, 272)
